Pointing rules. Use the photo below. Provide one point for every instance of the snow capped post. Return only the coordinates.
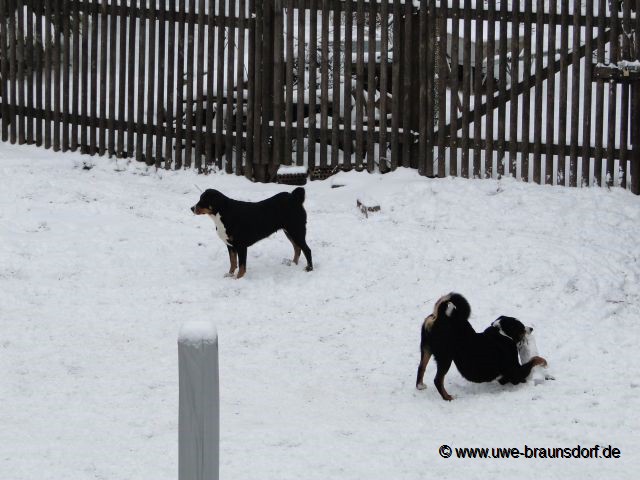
(199, 410)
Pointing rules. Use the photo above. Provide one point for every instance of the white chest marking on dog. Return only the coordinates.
(450, 308)
(222, 233)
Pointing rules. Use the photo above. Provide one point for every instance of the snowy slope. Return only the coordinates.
(100, 267)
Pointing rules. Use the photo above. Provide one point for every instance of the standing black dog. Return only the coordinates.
(241, 224)
(480, 357)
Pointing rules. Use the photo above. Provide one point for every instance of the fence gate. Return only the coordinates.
(541, 90)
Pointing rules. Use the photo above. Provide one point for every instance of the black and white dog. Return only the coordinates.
(480, 357)
(241, 224)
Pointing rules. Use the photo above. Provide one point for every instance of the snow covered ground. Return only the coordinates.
(99, 268)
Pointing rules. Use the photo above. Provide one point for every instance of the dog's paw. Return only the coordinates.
(448, 398)
(539, 361)
(229, 275)
(308, 268)
(286, 261)
(421, 386)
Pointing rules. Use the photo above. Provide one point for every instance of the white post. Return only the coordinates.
(199, 410)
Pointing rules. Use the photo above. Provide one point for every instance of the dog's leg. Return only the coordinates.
(443, 367)
(233, 260)
(297, 237)
(424, 360)
(242, 260)
(296, 248)
(519, 373)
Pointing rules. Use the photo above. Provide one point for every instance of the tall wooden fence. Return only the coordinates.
(542, 90)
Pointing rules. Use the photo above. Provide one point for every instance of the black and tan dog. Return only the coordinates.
(241, 224)
(480, 357)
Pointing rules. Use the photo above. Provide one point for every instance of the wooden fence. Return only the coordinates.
(542, 90)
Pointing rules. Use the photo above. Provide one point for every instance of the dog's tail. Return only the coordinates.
(298, 194)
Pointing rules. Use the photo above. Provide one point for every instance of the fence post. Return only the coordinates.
(199, 402)
(635, 137)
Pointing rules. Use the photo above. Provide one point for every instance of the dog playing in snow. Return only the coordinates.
(241, 224)
(479, 357)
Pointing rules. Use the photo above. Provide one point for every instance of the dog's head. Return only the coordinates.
(210, 203)
(512, 328)
(452, 306)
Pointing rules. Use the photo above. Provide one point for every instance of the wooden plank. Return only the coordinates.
(240, 82)
(19, 81)
(624, 100)
(564, 66)
(455, 98)
(229, 87)
(477, 87)
(612, 124)
(57, 87)
(160, 91)
(4, 70)
(408, 62)
(131, 76)
(396, 89)
(38, 85)
(313, 61)
(122, 80)
(289, 64)
(347, 93)
(443, 81)
(424, 18)
(220, 71)
(180, 87)
(110, 80)
(502, 88)
(142, 77)
(384, 83)
(635, 117)
(550, 117)
(359, 83)
(588, 94)
(371, 85)
(466, 87)
(47, 75)
(171, 62)
(210, 64)
(278, 77)
(537, 131)
(324, 81)
(599, 133)
(199, 140)
(526, 94)
(149, 156)
(113, 82)
(300, 90)
(575, 96)
(29, 61)
(258, 134)
(104, 81)
(248, 168)
(188, 86)
(514, 100)
(337, 67)
(490, 87)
